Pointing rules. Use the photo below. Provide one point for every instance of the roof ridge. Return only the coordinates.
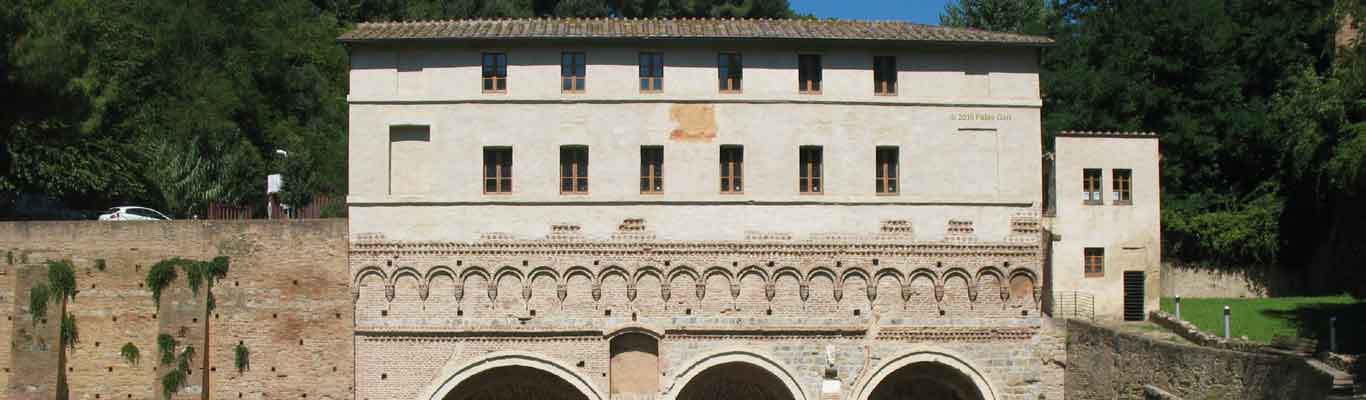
(546, 27)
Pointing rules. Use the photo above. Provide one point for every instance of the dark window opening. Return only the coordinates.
(497, 170)
(732, 169)
(730, 72)
(809, 176)
(651, 169)
(573, 72)
(888, 169)
(809, 73)
(574, 169)
(651, 72)
(495, 72)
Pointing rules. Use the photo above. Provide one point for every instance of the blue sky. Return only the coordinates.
(920, 11)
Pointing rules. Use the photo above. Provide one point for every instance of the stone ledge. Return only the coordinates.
(1192, 333)
(1151, 392)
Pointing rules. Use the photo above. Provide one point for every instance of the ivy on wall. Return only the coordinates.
(241, 357)
(130, 353)
(198, 274)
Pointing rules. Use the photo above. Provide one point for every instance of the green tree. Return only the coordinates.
(1020, 16)
(59, 287)
(198, 274)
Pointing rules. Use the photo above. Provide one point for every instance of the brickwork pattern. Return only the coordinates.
(285, 296)
(856, 299)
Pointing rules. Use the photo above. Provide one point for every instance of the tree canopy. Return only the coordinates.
(1261, 115)
(173, 104)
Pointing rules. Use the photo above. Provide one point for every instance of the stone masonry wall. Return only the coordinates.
(6, 328)
(1106, 364)
(285, 297)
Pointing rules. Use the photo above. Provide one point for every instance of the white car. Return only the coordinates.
(133, 214)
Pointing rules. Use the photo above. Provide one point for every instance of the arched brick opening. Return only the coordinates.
(735, 381)
(506, 375)
(514, 383)
(926, 380)
(925, 374)
(734, 375)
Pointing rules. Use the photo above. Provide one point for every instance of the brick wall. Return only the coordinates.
(285, 297)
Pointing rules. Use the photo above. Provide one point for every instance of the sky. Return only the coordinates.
(919, 11)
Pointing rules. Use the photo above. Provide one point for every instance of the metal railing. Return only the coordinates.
(1074, 304)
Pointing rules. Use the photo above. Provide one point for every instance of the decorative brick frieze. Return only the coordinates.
(960, 230)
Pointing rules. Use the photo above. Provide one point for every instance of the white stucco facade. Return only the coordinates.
(1130, 234)
(969, 144)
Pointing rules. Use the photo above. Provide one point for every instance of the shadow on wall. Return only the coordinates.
(1311, 321)
(1192, 280)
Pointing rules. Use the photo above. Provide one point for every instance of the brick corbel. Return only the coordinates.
(389, 292)
(422, 290)
(804, 291)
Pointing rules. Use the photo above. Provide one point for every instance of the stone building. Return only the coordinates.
(722, 209)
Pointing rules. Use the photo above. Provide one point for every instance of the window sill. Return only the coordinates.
(573, 193)
(497, 193)
(809, 93)
(889, 194)
(731, 92)
(1122, 203)
(655, 193)
(495, 92)
(571, 92)
(1092, 203)
(892, 94)
(812, 193)
(733, 193)
(1095, 274)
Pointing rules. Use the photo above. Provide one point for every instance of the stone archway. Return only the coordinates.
(510, 375)
(925, 374)
(734, 374)
(735, 381)
(926, 380)
(514, 383)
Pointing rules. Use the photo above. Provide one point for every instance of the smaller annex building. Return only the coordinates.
(726, 209)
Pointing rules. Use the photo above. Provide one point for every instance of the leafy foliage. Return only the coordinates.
(1022, 16)
(37, 302)
(161, 275)
(130, 353)
(1261, 117)
(69, 333)
(61, 280)
(241, 357)
(166, 348)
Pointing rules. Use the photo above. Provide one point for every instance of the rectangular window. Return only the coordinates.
(1123, 182)
(572, 72)
(651, 169)
(651, 72)
(1095, 261)
(1090, 186)
(495, 72)
(809, 73)
(887, 165)
(497, 170)
(732, 169)
(574, 169)
(809, 176)
(884, 75)
(730, 71)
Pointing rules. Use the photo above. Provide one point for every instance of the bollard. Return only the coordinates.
(1333, 334)
(1226, 324)
(1178, 307)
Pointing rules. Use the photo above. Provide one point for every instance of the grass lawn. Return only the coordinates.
(1260, 319)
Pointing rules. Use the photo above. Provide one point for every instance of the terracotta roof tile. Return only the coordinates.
(695, 28)
(1108, 134)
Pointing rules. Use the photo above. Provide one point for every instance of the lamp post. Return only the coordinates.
(1333, 334)
(1178, 307)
